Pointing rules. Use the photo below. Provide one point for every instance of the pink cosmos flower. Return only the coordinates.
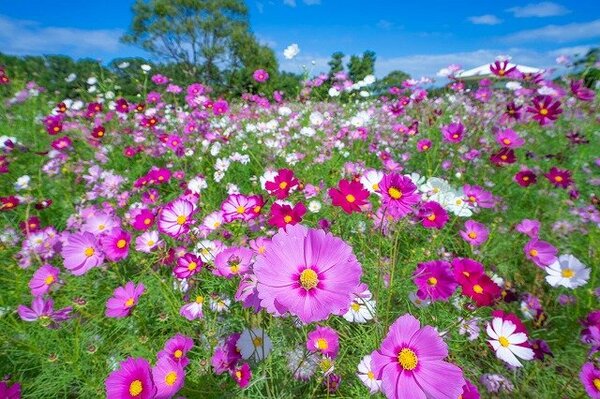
(350, 196)
(432, 215)
(590, 378)
(501, 69)
(453, 133)
(176, 349)
(434, 280)
(168, 377)
(43, 309)
(12, 392)
(220, 107)
(260, 75)
(474, 233)
(237, 207)
(143, 220)
(545, 110)
(529, 227)
(540, 252)
(324, 340)
(133, 380)
(124, 299)
(187, 266)
(470, 391)
(284, 215)
(410, 363)
(242, 375)
(581, 92)
(282, 183)
(193, 310)
(247, 293)
(399, 193)
(559, 177)
(43, 280)
(81, 253)
(115, 244)
(424, 145)
(100, 223)
(477, 196)
(233, 261)
(509, 138)
(147, 241)
(525, 178)
(226, 354)
(308, 273)
(175, 218)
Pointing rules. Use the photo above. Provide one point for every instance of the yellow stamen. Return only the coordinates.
(472, 235)
(432, 281)
(350, 198)
(309, 279)
(408, 359)
(477, 289)
(431, 217)
(49, 280)
(395, 193)
(533, 252)
(355, 306)
(199, 299)
(503, 341)
(135, 388)
(192, 266)
(257, 342)
(287, 218)
(597, 383)
(370, 375)
(321, 344)
(567, 273)
(178, 353)
(181, 219)
(283, 185)
(89, 251)
(121, 244)
(129, 302)
(240, 209)
(171, 378)
(543, 111)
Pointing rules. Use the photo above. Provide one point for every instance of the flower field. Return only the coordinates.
(404, 244)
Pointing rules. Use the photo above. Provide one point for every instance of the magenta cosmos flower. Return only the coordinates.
(399, 193)
(124, 300)
(43, 280)
(308, 273)
(545, 110)
(324, 340)
(434, 280)
(239, 207)
(175, 218)
(350, 196)
(176, 349)
(590, 378)
(432, 215)
(43, 310)
(559, 177)
(509, 138)
(410, 363)
(540, 252)
(168, 377)
(475, 233)
(260, 75)
(10, 392)
(116, 244)
(81, 253)
(133, 380)
(453, 133)
(187, 266)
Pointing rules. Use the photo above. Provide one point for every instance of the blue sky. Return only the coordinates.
(419, 37)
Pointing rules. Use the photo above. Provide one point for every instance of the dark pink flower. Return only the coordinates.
(434, 280)
(124, 299)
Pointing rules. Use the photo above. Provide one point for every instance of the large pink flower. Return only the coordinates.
(81, 253)
(133, 380)
(308, 273)
(176, 217)
(410, 363)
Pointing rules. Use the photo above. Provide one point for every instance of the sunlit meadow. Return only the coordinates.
(341, 243)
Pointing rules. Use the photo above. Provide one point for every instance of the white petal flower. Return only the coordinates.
(567, 271)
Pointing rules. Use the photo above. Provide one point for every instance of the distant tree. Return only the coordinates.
(336, 64)
(359, 67)
(196, 34)
(587, 66)
(394, 78)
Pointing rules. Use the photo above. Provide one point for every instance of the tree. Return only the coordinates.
(359, 67)
(394, 78)
(196, 34)
(336, 64)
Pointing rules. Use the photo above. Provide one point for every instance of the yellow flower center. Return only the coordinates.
(287, 218)
(309, 279)
(89, 251)
(370, 375)
(375, 186)
(321, 344)
(478, 289)
(234, 268)
(432, 281)
(501, 72)
(425, 147)
(171, 378)
(147, 221)
(240, 209)
(199, 299)
(135, 388)
(431, 217)
(567, 273)
(355, 306)
(238, 374)
(129, 302)
(101, 227)
(408, 359)
(121, 244)
(455, 136)
(525, 178)
(283, 185)
(506, 141)
(216, 224)
(262, 250)
(533, 252)
(257, 342)
(558, 178)
(192, 266)
(597, 383)
(543, 111)
(350, 198)
(150, 243)
(256, 209)
(503, 341)
(394, 193)
(181, 219)
(472, 235)
(49, 280)
(178, 353)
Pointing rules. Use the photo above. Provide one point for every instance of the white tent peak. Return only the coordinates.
(484, 71)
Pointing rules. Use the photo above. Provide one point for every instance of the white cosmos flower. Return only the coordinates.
(333, 92)
(361, 310)
(506, 342)
(254, 343)
(567, 271)
(371, 179)
(366, 375)
(92, 81)
(434, 187)
(220, 304)
(314, 206)
(418, 302)
(145, 67)
(22, 183)
(207, 250)
(70, 78)
(269, 175)
(291, 51)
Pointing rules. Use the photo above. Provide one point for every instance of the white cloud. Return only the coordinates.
(291, 3)
(539, 10)
(384, 24)
(487, 19)
(28, 37)
(260, 7)
(558, 33)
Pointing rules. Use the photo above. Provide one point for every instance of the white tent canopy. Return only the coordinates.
(484, 71)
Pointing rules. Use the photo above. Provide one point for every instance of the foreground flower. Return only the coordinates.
(43, 280)
(434, 280)
(254, 343)
(308, 273)
(168, 377)
(283, 215)
(176, 349)
(350, 196)
(567, 271)
(43, 310)
(590, 378)
(366, 375)
(540, 252)
(124, 300)
(410, 363)
(81, 253)
(399, 193)
(559, 177)
(324, 340)
(133, 380)
(176, 217)
(545, 110)
(282, 183)
(508, 341)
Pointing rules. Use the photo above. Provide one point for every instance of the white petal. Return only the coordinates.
(506, 355)
(508, 328)
(490, 331)
(497, 325)
(523, 352)
(518, 338)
